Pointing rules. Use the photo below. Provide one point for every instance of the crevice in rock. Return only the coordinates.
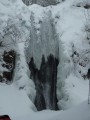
(43, 3)
(9, 64)
(45, 80)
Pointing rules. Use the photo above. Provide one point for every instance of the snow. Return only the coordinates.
(14, 99)
(21, 74)
(77, 90)
(13, 102)
(80, 112)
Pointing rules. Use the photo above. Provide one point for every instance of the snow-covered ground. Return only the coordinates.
(81, 112)
(13, 101)
(17, 105)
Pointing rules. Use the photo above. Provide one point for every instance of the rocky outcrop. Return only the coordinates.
(43, 3)
(8, 65)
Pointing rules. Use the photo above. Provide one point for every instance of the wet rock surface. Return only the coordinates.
(43, 3)
(45, 80)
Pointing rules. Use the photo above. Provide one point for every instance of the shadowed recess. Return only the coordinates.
(45, 80)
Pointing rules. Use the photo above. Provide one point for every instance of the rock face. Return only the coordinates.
(43, 3)
(45, 80)
(9, 65)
